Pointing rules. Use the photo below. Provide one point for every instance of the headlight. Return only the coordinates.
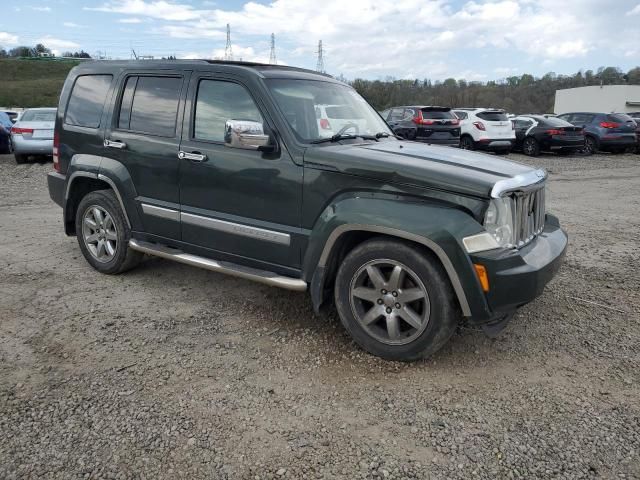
(498, 221)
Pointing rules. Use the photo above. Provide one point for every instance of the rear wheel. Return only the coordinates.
(467, 143)
(103, 234)
(395, 300)
(590, 145)
(21, 158)
(530, 147)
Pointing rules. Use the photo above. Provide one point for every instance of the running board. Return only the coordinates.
(262, 276)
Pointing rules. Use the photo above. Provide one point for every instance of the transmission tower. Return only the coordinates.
(272, 55)
(228, 53)
(320, 64)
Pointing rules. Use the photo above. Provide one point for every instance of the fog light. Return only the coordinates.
(482, 276)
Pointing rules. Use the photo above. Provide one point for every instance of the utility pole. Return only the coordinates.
(228, 53)
(272, 55)
(320, 64)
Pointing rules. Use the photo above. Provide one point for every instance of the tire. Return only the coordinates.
(424, 296)
(530, 147)
(467, 143)
(106, 247)
(590, 145)
(20, 159)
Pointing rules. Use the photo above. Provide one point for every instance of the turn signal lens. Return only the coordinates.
(482, 276)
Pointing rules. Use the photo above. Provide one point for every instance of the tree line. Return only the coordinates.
(516, 94)
(40, 50)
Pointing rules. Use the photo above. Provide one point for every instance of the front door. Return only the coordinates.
(243, 202)
(145, 137)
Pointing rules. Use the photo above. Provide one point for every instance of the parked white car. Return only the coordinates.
(334, 118)
(485, 129)
(32, 134)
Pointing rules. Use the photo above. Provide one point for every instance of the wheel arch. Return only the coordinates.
(346, 237)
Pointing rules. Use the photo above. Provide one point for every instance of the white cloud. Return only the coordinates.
(634, 11)
(404, 38)
(56, 43)
(155, 9)
(130, 20)
(40, 9)
(73, 25)
(8, 38)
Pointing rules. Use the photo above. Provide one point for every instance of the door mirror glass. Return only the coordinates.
(246, 134)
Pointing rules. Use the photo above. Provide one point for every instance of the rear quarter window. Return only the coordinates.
(619, 117)
(493, 116)
(86, 101)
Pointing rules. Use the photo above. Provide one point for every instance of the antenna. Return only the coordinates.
(135, 55)
(272, 55)
(228, 53)
(320, 64)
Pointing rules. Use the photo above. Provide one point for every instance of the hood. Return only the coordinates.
(422, 165)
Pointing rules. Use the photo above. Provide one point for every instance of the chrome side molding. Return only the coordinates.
(261, 276)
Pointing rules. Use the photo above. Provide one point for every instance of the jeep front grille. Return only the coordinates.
(529, 215)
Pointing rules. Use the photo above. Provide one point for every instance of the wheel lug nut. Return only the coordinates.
(397, 305)
(389, 310)
(395, 294)
(379, 301)
(383, 291)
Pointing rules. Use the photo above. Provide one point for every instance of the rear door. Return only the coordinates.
(145, 137)
(497, 124)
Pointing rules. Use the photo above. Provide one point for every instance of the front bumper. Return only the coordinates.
(516, 277)
(57, 184)
(31, 146)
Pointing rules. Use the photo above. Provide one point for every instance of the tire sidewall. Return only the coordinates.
(534, 150)
(444, 316)
(106, 200)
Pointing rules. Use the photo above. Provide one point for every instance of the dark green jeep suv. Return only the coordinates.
(226, 166)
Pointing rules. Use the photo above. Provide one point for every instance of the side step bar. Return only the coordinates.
(262, 276)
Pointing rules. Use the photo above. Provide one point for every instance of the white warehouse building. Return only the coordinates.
(605, 99)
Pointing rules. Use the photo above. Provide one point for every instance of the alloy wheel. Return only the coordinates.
(389, 301)
(99, 233)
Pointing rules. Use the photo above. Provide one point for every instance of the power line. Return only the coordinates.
(320, 64)
(272, 55)
(228, 52)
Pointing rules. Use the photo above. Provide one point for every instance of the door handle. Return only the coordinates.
(115, 144)
(193, 157)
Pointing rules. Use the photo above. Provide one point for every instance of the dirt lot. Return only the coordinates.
(173, 372)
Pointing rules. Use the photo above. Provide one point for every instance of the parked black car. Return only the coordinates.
(5, 135)
(436, 125)
(604, 131)
(538, 133)
(224, 166)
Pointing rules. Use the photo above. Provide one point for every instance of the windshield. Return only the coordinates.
(39, 116)
(348, 113)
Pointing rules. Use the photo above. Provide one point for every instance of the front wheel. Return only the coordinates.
(590, 146)
(103, 234)
(395, 300)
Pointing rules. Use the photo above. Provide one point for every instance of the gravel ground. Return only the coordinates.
(174, 372)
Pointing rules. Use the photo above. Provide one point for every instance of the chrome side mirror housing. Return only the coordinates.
(247, 135)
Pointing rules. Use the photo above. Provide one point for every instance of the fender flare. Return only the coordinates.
(428, 243)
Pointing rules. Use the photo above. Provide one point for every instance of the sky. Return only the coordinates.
(436, 39)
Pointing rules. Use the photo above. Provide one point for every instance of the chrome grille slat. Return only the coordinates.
(529, 215)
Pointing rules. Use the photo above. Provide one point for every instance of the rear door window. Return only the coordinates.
(493, 116)
(397, 114)
(581, 118)
(462, 115)
(437, 114)
(150, 105)
(86, 101)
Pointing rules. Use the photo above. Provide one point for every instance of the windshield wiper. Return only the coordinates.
(336, 138)
(387, 135)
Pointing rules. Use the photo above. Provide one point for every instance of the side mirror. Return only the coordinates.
(246, 135)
